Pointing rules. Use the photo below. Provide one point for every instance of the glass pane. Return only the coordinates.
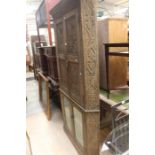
(68, 114)
(78, 125)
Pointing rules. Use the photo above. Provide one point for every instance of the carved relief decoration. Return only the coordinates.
(71, 34)
(90, 50)
(72, 56)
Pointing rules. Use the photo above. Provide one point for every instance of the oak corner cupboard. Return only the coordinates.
(78, 70)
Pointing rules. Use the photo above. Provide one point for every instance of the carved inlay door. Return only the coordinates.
(68, 47)
(72, 54)
(61, 54)
(75, 26)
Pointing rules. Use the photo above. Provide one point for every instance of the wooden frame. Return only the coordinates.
(46, 104)
(78, 68)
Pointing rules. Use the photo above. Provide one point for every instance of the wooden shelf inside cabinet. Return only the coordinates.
(109, 54)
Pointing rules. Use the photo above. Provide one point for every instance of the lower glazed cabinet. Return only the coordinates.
(75, 123)
(73, 119)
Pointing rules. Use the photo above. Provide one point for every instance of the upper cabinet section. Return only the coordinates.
(68, 52)
(76, 41)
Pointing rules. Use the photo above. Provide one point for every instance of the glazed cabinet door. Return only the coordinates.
(61, 54)
(68, 114)
(78, 125)
(73, 54)
(73, 118)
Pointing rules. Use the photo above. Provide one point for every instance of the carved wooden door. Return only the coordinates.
(73, 55)
(75, 27)
(68, 47)
(61, 54)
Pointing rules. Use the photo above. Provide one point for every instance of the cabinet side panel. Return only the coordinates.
(102, 38)
(73, 55)
(90, 53)
(91, 75)
(92, 123)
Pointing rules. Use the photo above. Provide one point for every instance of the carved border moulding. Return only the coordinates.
(88, 17)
